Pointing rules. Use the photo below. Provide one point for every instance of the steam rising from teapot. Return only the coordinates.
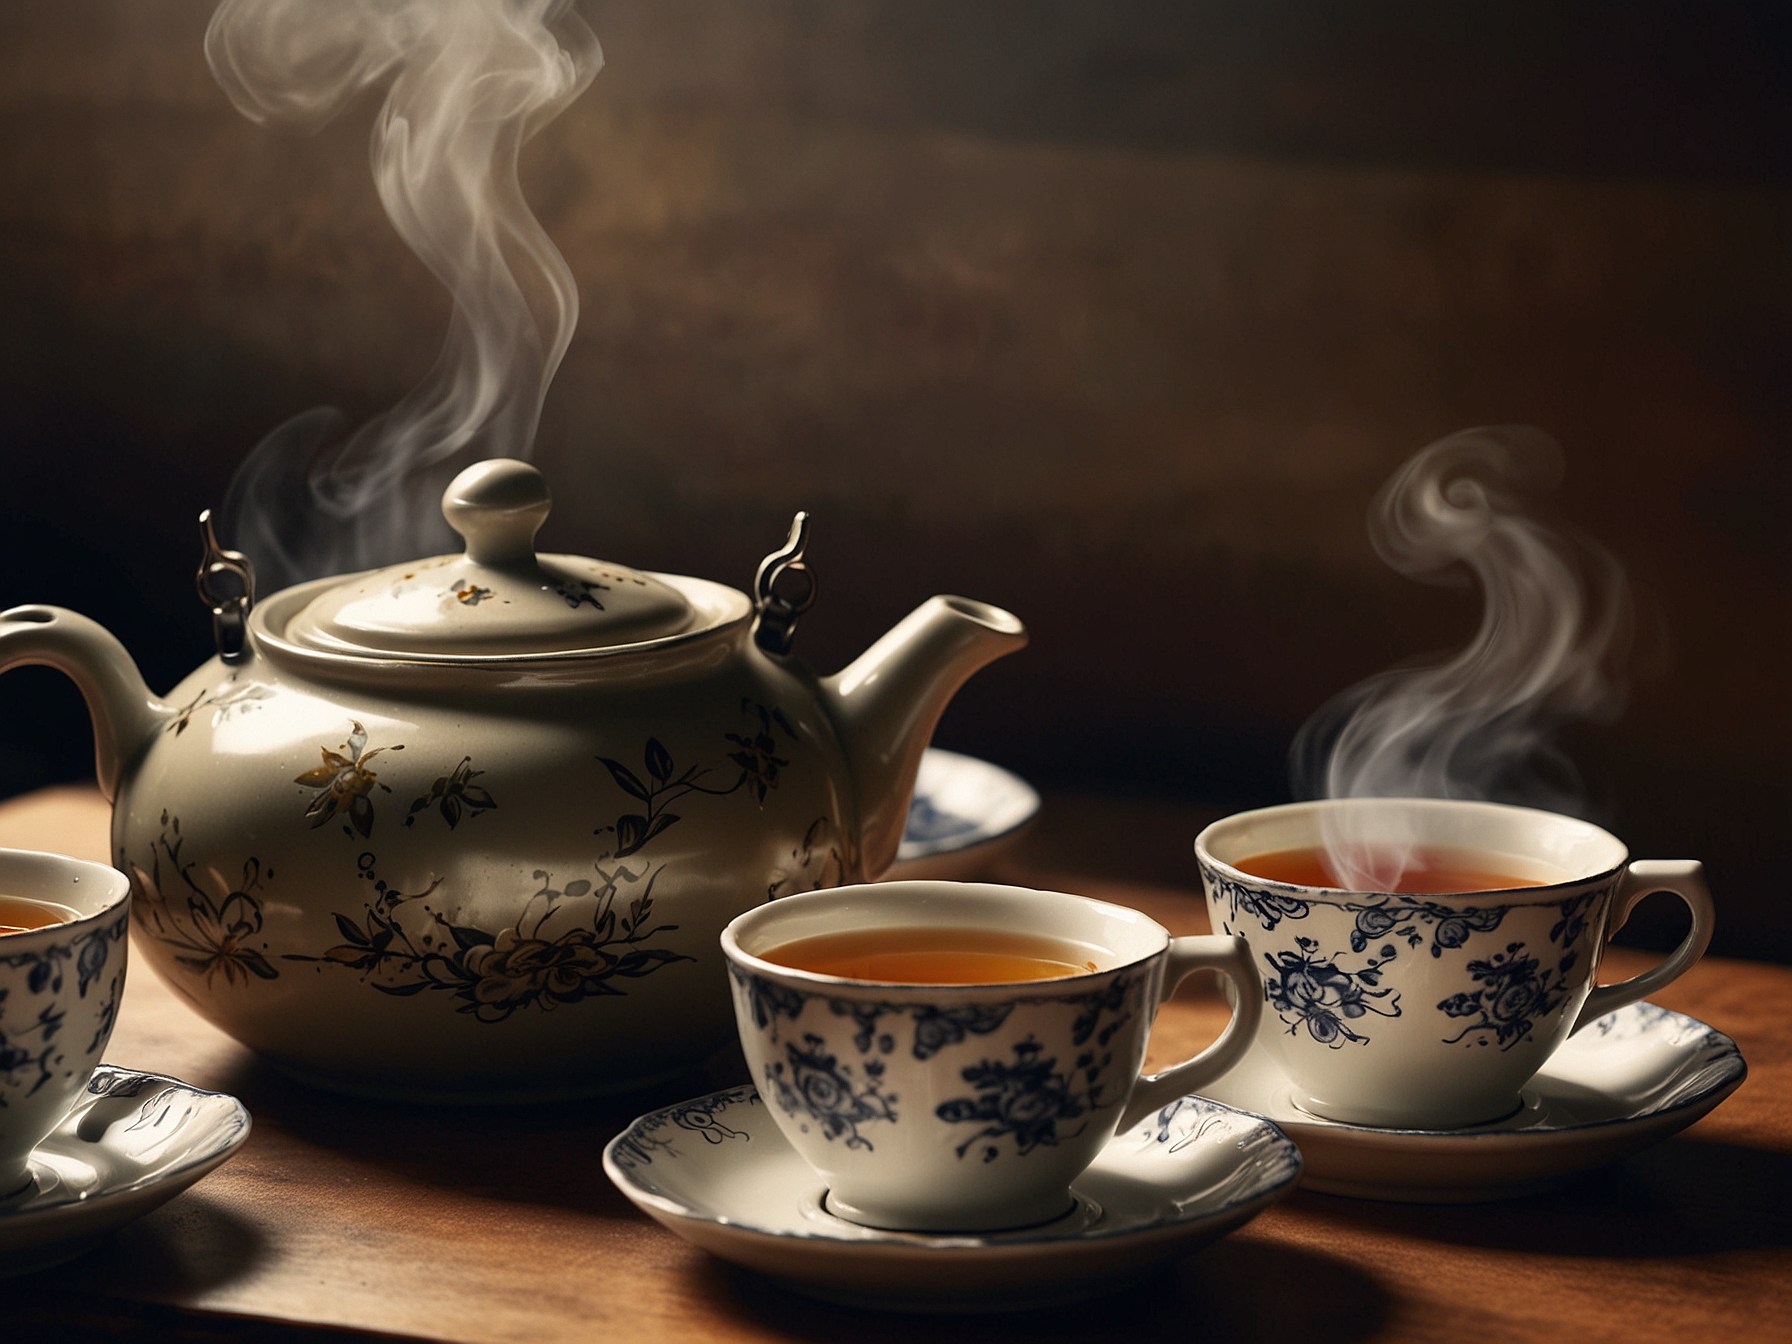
(468, 82)
(1555, 620)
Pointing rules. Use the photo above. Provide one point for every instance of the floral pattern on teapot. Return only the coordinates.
(571, 943)
(211, 933)
(548, 714)
(583, 939)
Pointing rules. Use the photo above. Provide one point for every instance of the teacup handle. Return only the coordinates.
(1231, 957)
(1686, 879)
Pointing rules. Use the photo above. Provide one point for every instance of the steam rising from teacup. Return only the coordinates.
(1555, 619)
(470, 81)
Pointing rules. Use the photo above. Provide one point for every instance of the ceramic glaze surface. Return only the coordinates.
(966, 1106)
(1629, 1080)
(131, 1142)
(1431, 1011)
(60, 987)
(718, 1171)
(471, 863)
(526, 889)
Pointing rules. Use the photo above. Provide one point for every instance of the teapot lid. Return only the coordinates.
(497, 598)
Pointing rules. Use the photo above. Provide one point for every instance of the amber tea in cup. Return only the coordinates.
(1427, 999)
(19, 914)
(935, 955)
(1424, 870)
(950, 1056)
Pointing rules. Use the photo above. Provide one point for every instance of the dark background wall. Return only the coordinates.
(1116, 314)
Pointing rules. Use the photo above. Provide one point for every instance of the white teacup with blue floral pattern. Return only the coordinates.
(967, 1107)
(1432, 1011)
(59, 991)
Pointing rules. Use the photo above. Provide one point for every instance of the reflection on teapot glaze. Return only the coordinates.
(209, 934)
(819, 860)
(344, 783)
(403, 947)
(223, 700)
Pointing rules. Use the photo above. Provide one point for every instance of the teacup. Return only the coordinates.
(1432, 1011)
(957, 1107)
(59, 990)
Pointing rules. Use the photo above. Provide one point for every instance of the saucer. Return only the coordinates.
(133, 1141)
(1626, 1081)
(718, 1172)
(965, 812)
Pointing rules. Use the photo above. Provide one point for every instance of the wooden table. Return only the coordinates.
(355, 1219)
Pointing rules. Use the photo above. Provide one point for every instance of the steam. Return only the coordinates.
(470, 81)
(1554, 621)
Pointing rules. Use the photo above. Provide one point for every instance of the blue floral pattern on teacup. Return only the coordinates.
(1025, 1098)
(937, 1028)
(1269, 908)
(1515, 992)
(820, 1087)
(1400, 918)
(29, 1051)
(1309, 989)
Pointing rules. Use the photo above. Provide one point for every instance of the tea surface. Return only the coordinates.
(934, 956)
(19, 915)
(1430, 870)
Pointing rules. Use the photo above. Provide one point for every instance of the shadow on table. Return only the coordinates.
(187, 1246)
(1236, 1290)
(88, 1321)
(1684, 1197)
(542, 1154)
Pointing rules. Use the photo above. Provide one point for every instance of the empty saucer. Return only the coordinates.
(1626, 1081)
(718, 1172)
(133, 1141)
(965, 813)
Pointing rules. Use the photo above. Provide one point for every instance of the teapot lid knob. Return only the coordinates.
(498, 506)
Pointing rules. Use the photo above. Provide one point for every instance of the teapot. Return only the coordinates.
(469, 828)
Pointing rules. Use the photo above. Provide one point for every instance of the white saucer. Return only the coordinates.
(133, 1141)
(1624, 1082)
(965, 813)
(718, 1172)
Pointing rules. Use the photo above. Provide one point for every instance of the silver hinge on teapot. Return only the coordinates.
(230, 603)
(775, 630)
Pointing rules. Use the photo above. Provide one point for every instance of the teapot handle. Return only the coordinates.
(125, 712)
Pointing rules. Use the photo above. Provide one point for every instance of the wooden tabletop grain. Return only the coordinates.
(343, 1219)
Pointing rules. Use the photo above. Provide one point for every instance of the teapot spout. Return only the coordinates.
(885, 703)
(124, 711)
